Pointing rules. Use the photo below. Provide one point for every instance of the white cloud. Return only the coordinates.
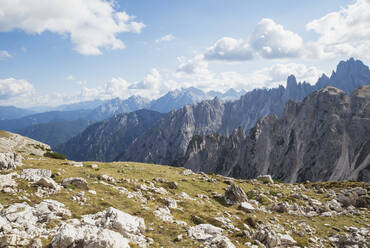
(342, 33)
(229, 49)
(166, 38)
(12, 87)
(91, 25)
(4, 54)
(268, 40)
(195, 72)
(153, 85)
(196, 65)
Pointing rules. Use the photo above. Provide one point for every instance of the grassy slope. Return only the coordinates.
(164, 234)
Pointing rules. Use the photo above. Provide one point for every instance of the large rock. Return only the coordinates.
(35, 175)
(7, 181)
(110, 227)
(48, 183)
(210, 235)
(86, 236)
(77, 182)
(234, 195)
(10, 161)
(129, 226)
(272, 239)
(356, 197)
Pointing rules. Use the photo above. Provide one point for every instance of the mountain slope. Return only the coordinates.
(103, 141)
(55, 133)
(166, 142)
(54, 116)
(325, 137)
(10, 112)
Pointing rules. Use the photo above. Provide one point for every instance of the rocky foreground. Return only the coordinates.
(47, 202)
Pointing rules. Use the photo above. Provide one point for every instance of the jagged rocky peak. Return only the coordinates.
(349, 75)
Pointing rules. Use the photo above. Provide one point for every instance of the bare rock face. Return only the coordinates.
(325, 137)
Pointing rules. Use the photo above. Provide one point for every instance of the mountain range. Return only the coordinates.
(61, 123)
(168, 140)
(325, 137)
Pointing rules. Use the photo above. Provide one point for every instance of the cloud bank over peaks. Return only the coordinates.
(90, 25)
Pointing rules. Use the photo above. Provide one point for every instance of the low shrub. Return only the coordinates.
(56, 155)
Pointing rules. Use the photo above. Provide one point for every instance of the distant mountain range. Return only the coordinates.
(168, 140)
(10, 112)
(61, 123)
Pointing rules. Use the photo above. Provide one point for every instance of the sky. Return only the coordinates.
(57, 52)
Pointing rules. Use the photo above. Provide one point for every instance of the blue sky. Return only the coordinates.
(52, 52)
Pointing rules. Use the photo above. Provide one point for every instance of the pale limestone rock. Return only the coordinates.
(210, 235)
(34, 175)
(247, 207)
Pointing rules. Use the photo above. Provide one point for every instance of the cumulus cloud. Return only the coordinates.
(342, 33)
(4, 55)
(196, 65)
(268, 40)
(166, 38)
(90, 25)
(12, 87)
(230, 49)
